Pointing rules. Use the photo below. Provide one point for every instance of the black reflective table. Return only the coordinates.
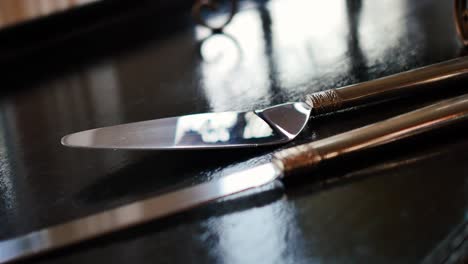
(124, 62)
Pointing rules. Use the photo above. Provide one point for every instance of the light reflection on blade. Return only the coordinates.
(192, 131)
(274, 125)
(112, 220)
(221, 128)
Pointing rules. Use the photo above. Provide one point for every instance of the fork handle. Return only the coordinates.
(397, 85)
(399, 127)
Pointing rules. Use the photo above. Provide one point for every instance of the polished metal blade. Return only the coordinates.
(274, 125)
(55, 237)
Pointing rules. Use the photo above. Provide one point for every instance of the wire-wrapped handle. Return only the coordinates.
(402, 126)
(401, 84)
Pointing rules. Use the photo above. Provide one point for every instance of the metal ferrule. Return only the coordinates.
(293, 160)
(324, 102)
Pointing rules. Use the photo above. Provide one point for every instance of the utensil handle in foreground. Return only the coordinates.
(402, 126)
(392, 86)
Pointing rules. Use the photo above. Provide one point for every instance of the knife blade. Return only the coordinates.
(284, 163)
(59, 236)
(273, 125)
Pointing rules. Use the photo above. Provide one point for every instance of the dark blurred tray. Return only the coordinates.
(23, 34)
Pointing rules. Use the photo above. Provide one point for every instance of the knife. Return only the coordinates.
(283, 164)
(273, 125)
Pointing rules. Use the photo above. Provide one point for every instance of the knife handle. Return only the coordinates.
(392, 86)
(399, 127)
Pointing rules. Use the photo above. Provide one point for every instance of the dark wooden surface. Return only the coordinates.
(402, 204)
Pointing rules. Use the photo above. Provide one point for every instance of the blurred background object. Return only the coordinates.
(18, 11)
(214, 6)
(461, 20)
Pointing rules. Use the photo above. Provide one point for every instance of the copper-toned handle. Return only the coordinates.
(402, 126)
(401, 84)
